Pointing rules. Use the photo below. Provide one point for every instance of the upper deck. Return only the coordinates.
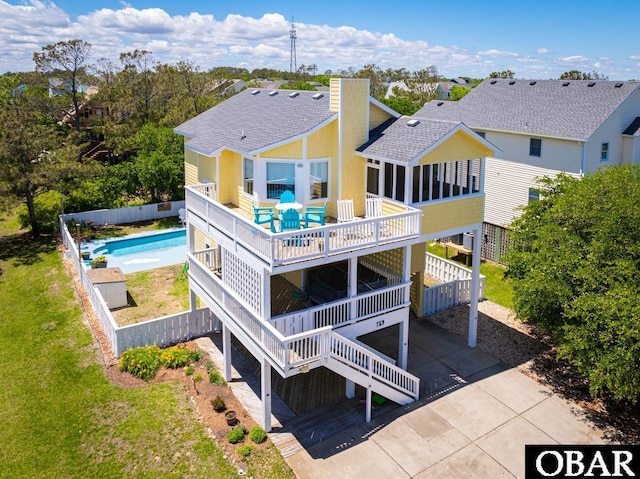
(282, 251)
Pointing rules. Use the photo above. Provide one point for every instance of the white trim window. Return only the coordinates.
(604, 152)
(281, 177)
(318, 180)
(534, 195)
(247, 175)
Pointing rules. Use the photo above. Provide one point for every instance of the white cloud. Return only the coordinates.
(238, 40)
(498, 53)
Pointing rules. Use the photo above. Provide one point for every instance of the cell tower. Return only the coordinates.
(293, 66)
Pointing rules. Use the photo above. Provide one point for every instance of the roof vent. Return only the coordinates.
(619, 84)
(317, 96)
(532, 83)
(440, 103)
(293, 94)
(566, 83)
(413, 122)
(591, 83)
(493, 82)
(512, 82)
(255, 92)
(273, 93)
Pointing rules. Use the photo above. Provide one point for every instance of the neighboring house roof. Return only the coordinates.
(249, 122)
(634, 128)
(568, 109)
(407, 139)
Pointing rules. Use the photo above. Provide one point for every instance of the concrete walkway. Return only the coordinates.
(473, 419)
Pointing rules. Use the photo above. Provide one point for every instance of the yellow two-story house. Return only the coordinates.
(331, 198)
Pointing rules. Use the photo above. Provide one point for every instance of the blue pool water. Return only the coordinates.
(143, 251)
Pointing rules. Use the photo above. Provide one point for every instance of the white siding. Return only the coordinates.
(507, 180)
(611, 132)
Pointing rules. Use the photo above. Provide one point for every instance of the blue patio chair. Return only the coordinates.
(264, 216)
(287, 197)
(314, 214)
(290, 220)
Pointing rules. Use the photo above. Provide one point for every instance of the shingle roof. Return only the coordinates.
(248, 122)
(397, 140)
(568, 109)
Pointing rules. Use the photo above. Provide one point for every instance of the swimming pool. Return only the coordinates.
(143, 251)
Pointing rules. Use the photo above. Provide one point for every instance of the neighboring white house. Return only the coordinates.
(543, 127)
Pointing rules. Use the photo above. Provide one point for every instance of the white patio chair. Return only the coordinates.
(345, 211)
(182, 215)
(373, 207)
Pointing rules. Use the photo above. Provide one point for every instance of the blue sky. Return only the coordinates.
(539, 39)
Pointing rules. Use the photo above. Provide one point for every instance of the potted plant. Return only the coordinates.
(99, 262)
(85, 254)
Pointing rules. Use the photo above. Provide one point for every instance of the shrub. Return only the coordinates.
(142, 362)
(236, 435)
(245, 450)
(188, 370)
(216, 378)
(209, 366)
(258, 435)
(197, 378)
(179, 356)
(218, 404)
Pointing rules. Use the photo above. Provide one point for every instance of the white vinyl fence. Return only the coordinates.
(455, 289)
(160, 331)
(132, 214)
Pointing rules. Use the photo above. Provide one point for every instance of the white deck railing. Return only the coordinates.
(455, 289)
(304, 244)
(295, 351)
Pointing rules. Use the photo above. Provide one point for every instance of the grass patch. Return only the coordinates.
(497, 288)
(61, 415)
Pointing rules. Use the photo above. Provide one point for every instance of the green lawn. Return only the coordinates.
(61, 417)
(497, 288)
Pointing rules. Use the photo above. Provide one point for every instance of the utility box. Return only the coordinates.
(456, 239)
(467, 240)
(112, 284)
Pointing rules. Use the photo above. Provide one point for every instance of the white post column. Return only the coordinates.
(226, 351)
(265, 389)
(350, 389)
(352, 287)
(475, 287)
(403, 344)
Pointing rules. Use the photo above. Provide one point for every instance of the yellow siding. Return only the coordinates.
(206, 168)
(334, 90)
(324, 142)
(355, 129)
(190, 167)
(418, 258)
(377, 116)
(446, 215)
(291, 150)
(230, 177)
(460, 146)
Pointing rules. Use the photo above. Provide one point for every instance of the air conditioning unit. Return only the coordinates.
(467, 240)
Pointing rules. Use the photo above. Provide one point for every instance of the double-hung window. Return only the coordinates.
(535, 147)
(318, 179)
(604, 152)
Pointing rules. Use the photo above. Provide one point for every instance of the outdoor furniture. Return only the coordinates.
(314, 214)
(182, 215)
(373, 207)
(287, 202)
(290, 220)
(345, 211)
(262, 216)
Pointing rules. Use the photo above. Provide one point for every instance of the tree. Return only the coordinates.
(508, 74)
(66, 59)
(34, 159)
(575, 262)
(457, 92)
(578, 75)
